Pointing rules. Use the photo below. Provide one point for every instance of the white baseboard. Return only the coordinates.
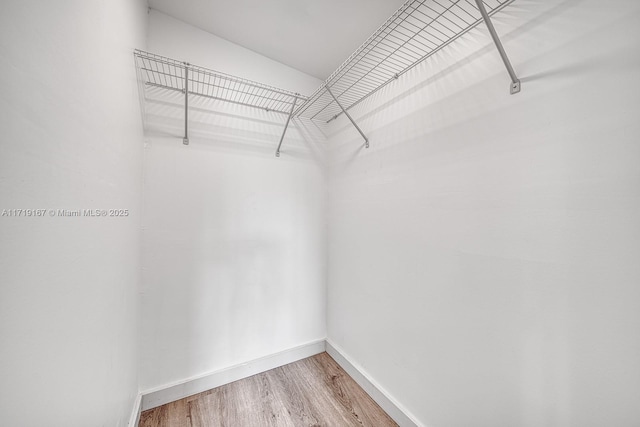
(135, 412)
(171, 392)
(399, 414)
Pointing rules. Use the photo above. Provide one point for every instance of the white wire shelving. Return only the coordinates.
(173, 75)
(416, 31)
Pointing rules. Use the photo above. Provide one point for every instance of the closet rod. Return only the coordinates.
(192, 92)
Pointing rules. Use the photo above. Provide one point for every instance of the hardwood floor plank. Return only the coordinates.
(273, 411)
(287, 387)
(312, 392)
(364, 410)
(172, 414)
(312, 383)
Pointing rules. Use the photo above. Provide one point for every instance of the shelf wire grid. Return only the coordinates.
(417, 30)
(160, 71)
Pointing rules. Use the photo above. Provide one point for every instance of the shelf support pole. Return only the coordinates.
(515, 82)
(185, 140)
(286, 125)
(366, 140)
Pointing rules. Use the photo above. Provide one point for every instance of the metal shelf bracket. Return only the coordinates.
(185, 140)
(366, 140)
(515, 82)
(286, 125)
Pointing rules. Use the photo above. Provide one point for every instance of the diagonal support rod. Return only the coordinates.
(366, 140)
(515, 82)
(185, 140)
(286, 125)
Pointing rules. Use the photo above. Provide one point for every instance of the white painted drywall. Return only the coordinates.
(71, 138)
(484, 253)
(178, 40)
(234, 239)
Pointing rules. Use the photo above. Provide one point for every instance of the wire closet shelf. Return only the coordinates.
(417, 30)
(167, 73)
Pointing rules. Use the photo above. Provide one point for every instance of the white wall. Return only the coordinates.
(174, 38)
(484, 252)
(234, 240)
(71, 138)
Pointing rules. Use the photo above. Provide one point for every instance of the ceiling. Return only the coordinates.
(313, 36)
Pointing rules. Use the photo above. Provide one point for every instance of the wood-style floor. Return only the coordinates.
(311, 392)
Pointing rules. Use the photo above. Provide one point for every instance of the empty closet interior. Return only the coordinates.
(443, 195)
